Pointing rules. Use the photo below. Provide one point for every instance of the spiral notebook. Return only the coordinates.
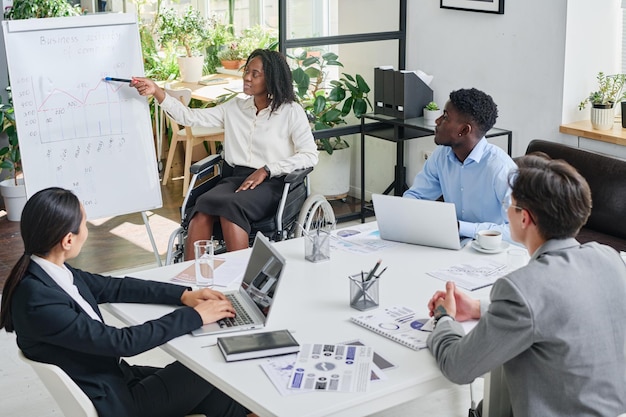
(398, 323)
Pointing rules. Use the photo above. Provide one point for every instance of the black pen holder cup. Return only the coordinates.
(317, 246)
(363, 294)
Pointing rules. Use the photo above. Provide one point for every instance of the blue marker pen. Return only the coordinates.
(121, 80)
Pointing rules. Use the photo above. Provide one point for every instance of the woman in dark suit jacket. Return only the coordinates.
(53, 308)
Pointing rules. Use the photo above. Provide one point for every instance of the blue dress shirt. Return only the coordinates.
(477, 186)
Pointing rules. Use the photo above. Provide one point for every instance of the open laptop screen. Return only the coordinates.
(262, 273)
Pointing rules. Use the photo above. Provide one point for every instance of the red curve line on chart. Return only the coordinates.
(84, 101)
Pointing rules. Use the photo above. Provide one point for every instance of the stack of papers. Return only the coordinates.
(472, 275)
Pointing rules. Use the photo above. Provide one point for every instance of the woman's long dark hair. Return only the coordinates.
(278, 80)
(48, 216)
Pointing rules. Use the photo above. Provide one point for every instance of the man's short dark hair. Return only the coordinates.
(477, 106)
(556, 195)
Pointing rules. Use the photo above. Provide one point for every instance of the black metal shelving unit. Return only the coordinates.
(399, 35)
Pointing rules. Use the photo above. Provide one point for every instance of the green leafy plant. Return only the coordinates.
(189, 30)
(220, 35)
(257, 37)
(609, 91)
(231, 52)
(328, 103)
(432, 106)
(10, 157)
(28, 9)
(158, 63)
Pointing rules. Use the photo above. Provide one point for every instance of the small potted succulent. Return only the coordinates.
(431, 113)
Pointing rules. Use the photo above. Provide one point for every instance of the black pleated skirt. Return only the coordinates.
(244, 207)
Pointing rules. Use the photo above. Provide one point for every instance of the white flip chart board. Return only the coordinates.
(76, 130)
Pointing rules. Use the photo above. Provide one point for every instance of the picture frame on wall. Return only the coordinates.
(484, 6)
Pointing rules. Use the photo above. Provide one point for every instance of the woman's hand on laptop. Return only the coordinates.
(213, 310)
(193, 298)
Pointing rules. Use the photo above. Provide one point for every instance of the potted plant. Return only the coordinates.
(327, 104)
(431, 113)
(603, 100)
(12, 189)
(188, 31)
(231, 55)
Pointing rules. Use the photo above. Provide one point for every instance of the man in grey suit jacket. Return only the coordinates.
(557, 325)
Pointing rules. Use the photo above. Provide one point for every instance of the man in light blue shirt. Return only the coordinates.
(466, 169)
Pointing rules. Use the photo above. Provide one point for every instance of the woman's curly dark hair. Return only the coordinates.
(278, 80)
(477, 106)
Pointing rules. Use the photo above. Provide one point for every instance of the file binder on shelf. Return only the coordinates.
(384, 90)
(400, 94)
(411, 95)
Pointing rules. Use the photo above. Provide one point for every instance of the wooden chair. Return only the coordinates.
(70, 398)
(190, 136)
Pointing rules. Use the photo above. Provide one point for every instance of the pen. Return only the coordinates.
(373, 271)
(371, 282)
(381, 272)
(121, 80)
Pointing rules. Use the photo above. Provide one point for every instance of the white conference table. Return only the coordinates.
(313, 301)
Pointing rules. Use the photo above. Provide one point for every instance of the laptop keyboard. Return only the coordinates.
(241, 317)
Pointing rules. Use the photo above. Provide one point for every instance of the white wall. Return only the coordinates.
(589, 49)
(517, 58)
(537, 61)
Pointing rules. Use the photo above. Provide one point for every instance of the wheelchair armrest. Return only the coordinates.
(297, 176)
(205, 163)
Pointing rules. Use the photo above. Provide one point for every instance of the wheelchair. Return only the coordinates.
(297, 210)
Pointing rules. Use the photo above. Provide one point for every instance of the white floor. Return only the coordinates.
(23, 395)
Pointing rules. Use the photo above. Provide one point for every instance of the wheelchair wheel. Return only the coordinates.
(315, 212)
(176, 247)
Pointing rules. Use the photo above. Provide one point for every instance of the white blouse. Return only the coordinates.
(282, 140)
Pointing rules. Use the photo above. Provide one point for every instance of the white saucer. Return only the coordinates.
(479, 248)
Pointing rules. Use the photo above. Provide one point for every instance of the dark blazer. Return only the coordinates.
(52, 328)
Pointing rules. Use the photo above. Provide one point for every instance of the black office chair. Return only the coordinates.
(295, 214)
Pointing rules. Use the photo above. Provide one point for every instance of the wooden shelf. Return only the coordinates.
(583, 128)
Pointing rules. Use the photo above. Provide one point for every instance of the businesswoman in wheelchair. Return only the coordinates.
(266, 135)
(53, 309)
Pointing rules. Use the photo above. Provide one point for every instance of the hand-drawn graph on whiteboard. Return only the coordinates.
(76, 130)
(84, 112)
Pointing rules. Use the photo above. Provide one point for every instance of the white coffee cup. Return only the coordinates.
(489, 239)
(516, 258)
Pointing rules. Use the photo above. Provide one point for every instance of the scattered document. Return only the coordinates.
(226, 272)
(336, 368)
(363, 238)
(279, 369)
(472, 275)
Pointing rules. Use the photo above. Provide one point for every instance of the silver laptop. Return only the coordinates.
(420, 222)
(253, 300)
